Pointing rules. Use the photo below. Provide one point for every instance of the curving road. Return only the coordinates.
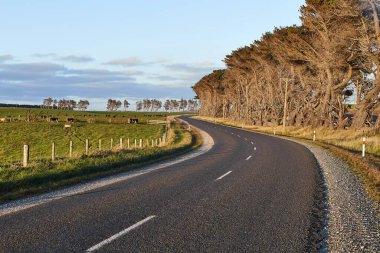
(249, 193)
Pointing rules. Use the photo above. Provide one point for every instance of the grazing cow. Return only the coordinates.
(133, 121)
(70, 120)
(52, 119)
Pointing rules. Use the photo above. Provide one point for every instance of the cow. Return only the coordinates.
(52, 119)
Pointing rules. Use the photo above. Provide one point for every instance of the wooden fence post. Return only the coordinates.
(87, 146)
(128, 144)
(152, 143)
(140, 143)
(121, 143)
(135, 143)
(71, 149)
(111, 143)
(25, 160)
(100, 144)
(53, 151)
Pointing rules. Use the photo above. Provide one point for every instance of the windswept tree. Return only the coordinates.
(83, 105)
(303, 75)
(113, 105)
(126, 105)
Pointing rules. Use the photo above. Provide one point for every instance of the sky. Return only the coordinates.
(123, 49)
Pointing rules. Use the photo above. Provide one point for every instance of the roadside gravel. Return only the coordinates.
(352, 224)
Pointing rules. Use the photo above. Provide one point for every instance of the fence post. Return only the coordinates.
(100, 144)
(87, 144)
(128, 144)
(152, 144)
(363, 149)
(135, 143)
(111, 143)
(159, 142)
(25, 160)
(121, 143)
(53, 151)
(314, 136)
(140, 143)
(71, 149)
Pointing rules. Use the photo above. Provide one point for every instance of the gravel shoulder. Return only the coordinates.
(351, 223)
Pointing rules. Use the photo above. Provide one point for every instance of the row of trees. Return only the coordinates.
(154, 105)
(114, 105)
(65, 104)
(303, 75)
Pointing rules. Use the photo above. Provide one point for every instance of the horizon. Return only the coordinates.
(96, 51)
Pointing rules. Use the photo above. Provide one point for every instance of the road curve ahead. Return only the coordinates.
(249, 193)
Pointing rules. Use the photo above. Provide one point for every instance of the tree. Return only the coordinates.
(126, 105)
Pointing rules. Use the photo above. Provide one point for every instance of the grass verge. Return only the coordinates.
(344, 144)
(44, 176)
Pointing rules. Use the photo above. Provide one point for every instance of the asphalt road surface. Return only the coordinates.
(249, 193)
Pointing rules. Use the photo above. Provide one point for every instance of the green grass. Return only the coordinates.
(40, 135)
(45, 175)
(20, 114)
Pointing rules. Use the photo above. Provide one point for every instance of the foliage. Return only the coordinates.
(303, 75)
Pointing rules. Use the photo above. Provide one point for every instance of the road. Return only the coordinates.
(249, 193)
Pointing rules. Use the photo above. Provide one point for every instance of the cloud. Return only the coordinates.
(134, 62)
(126, 62)
(134, 72)
(6, 57)
(48, 55)
(34, 81)
(76, 59)
(193, 68)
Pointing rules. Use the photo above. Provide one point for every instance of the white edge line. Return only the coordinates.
(223, 175)
(121, 233)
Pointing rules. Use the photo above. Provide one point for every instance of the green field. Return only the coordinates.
(21, 114)
(39, 134)
(43, 174)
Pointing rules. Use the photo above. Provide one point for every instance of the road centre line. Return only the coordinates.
(116, 236)
(249, 157)
(223, 176)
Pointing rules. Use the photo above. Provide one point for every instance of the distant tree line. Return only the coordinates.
(154, 105)
(304, 75)
(20, 105)
(64, 104)
(114, 105)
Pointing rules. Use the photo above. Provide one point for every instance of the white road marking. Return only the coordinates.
(223, 176)
(254, 148)
(252, 142)
(249, 157)
(116, 236)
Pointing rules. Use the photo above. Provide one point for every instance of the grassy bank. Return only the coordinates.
(45, 175)
(345, 144)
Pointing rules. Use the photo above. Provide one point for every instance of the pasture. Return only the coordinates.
(39, 134)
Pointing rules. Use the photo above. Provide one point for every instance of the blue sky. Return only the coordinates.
(96, 49)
